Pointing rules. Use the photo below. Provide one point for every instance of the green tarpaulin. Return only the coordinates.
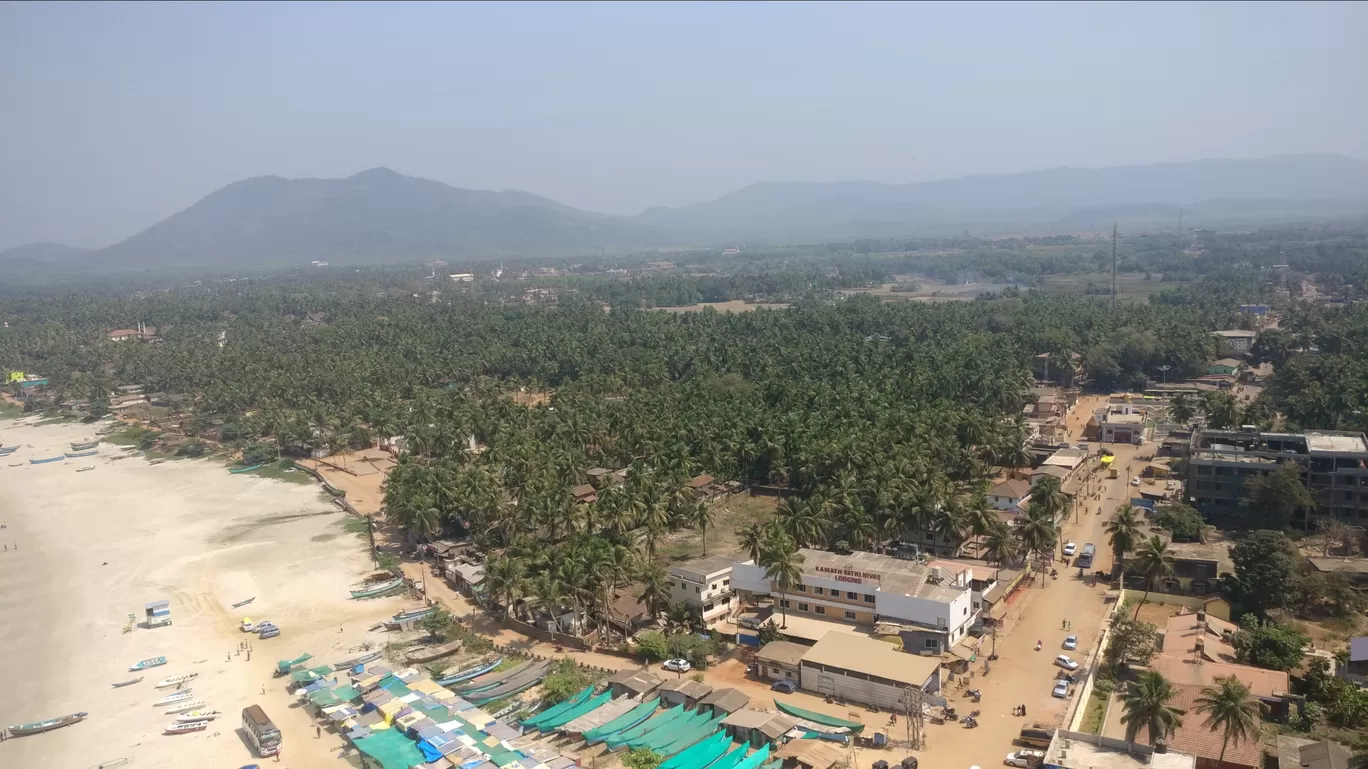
(392, 749)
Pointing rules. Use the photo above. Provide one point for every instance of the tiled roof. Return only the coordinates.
(1184, 671)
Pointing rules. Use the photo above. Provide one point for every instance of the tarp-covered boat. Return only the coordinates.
(855, 727)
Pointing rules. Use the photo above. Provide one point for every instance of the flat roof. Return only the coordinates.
(1125, 419)
(895, 576)
(1085, 755)
(1237, 333)
(860, 654)
(1341, 565)
(710, 565)
(782, 652)
(1346, 443)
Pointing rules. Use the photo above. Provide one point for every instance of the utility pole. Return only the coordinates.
(1113, 291)
(1180, 222)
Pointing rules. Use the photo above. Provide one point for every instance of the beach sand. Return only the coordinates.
(94, 547)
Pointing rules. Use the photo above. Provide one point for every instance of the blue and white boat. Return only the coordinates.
(58, 458)
(150, 662)
(75, 454)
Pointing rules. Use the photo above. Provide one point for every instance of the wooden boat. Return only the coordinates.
(181, 727)
(85, 469)
(415, 613)
(38, 727)
(58, 458)
(85, 445)
(199, 715)
(150, 662)
(176, 680)
(7, 450)
(129, 682)
(466, 675)
(247, 469)
(240, 604)
(185, 707)
(430, 653)
(363, 659)
(378, 590)
(77, 454)
(172, 699)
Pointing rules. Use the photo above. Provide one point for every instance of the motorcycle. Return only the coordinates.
(970, 723)
(975, 694)
(1038, 645)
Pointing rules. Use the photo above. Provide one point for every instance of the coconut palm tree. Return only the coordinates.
(1037, 530)
(783, 566)
(1001, 545)
(505, 579)
(655, 591)
(1123, 529)
(1050, 496)
(1154, 560)
(1230, 708)
(700, 516)
(753, 540)
(1145, 706)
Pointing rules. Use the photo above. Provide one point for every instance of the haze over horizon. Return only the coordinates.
(123, 114)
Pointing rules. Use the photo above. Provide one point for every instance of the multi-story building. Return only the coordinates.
(705, 586)
(1334, 466)
(931, 604)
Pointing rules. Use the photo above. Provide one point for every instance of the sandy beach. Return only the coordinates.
(84, 550)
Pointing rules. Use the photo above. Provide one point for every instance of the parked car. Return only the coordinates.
(1070, 548)
(1025, 758)
(1061, 689)
(1066, 662)
(1135, 481)
(786, 686)
(678, 666)
(1071, 642)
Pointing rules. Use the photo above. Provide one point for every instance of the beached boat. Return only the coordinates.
(361, 660)
(172, 699)
(181, 727)
(240, 604)
(150, 662)
(85, 445)
(129, 682)
(469, 673)
(7, 450)
(185, 707)
(247, 469)
(176, 680)
(85, 469)
(415, 613)
(430, 653)
(78, 454)
(199, 715)
(38, 727)
(380, 589)
(58, 458)
(855, 727)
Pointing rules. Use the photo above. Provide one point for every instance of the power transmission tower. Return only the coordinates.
(912, 711)
(1113, 291)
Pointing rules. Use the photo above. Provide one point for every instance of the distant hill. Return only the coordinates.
(376, 215)
(1309, 185)
(43, 253)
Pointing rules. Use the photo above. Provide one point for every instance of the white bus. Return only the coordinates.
(264, 735)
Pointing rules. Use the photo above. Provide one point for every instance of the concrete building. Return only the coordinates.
(1120, 424)
(1225, 367)
(1236, 340)
(704, 586)
(1011, 496)
(634, 683)
(780, 660)
(861, 669)
(931, 602)
(723, 702)
(758, 727)
(1334, 466)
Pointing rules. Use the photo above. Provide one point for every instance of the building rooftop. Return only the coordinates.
(694, 690)
(861, 654)
(704, 566)
(1184, 671)
(1237, 333)
(1337, 443)
(1324, 755)
(812, 754)
(1228, 362)
(1340, 565)
(887, 574)
(729, 700)
(1080, 754)
(782, 653)
(1058, 472)
(1015, 489)
(1125, 419)
(1069, 458)
(1183, 631)
(1196, 738)
(772, 725)
(1358, 649)
(636, 681)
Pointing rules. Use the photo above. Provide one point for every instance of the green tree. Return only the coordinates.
(1145, 706)
(642, 758)
(1123, 530)
(1265, 567)
(438, 624)
(564, 679)
(1272, 500)
(1153, 560)
(1230, 709)
(1132, 642)
(1183, 522)
(652, 646)
(1270, 645)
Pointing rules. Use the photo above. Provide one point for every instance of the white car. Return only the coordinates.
(1066, 662)
(1061, 689)
(1024, 758)
(1071, 643)
(678, 666)
(1069, 549)
(1135, 481)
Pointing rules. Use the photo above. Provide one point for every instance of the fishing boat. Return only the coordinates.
(414, 613)
(181, 727)
(185, 707)
(150, 662)
(247, 469)
(199, 715)
(7, 450)
(240, 604)
(378, 590)
(469, 673)
(172, 699)
(176, 680)
(84, 445)
(77, 454)
(85, 469)
(129, 682)
(58, 458)
(430, 653)
(363, 659)
(38, 727)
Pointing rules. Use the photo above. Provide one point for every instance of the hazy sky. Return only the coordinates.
(113, 116)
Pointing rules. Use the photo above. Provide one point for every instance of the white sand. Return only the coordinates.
(185, 531)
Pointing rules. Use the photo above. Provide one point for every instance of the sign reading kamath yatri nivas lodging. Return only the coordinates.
(846, 574)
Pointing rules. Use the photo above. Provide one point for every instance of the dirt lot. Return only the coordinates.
(731, 515)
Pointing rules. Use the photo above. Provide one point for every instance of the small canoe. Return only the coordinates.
(176, 680)
(380, 589)
(150, 662)
(76, 454)
(199, 715)
(129, 682)
(363, 659)
(247, 469)
(430, 653)
(58, 458)
(240, 604)
(181, 727)
(469, 673)
(85, 469)
(38, 727)
(172, 699)
(185, 707)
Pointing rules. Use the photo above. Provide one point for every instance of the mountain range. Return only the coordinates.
(380, 215)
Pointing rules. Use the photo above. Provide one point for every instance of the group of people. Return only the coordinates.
(1019, 710)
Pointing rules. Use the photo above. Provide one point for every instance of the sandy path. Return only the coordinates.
(96, 546)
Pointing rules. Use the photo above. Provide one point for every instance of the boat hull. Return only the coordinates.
(379, 590)
(38, 727)
(47, 461)
(363, 659)
(148, 663)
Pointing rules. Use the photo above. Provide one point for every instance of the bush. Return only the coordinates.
(564, 680)
(438, 623)
(642, 758)
(652, 646)
(258, 454)
(194, 449)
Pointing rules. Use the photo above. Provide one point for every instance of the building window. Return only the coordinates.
(726, 583)
(802, 607)
(714, 586)
(821, 610)
(930, 643)
(868, 598)
(708, 606)
(852, 596)
(786, 603)
(850, 615)
(817, 590)
(698, 590)
(800, 588)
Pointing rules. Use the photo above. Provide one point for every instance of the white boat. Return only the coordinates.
(173, 698)
(199, 715)
(182, 727)
(176, 680)
(186, 707)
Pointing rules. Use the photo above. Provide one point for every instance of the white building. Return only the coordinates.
(462, 277)
(861, 669)
(705, 586)
(932, 604)
(1236, 340)
(1011, 496)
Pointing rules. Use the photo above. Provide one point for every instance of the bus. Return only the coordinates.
(1085, 558)
(264, 735)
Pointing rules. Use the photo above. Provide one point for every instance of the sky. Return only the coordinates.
(114, 116)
